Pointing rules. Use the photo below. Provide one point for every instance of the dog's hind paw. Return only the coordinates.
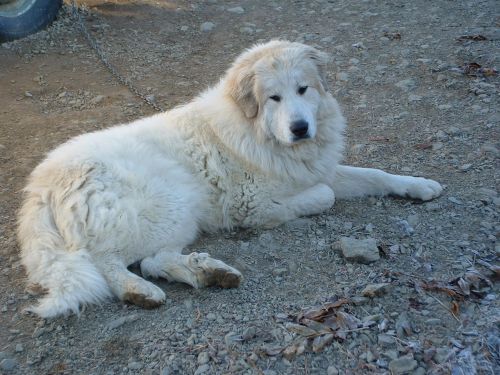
(143, 300)
(224, 278)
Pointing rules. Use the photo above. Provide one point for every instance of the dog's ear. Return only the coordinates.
(321, 60)
(239, 82)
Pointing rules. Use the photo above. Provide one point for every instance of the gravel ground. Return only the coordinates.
(418, 85)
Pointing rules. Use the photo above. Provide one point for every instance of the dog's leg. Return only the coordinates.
(129, 287)
(197, 270)
(351, 182)
(279, 210)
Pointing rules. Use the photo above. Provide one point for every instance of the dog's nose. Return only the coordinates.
(299, 128)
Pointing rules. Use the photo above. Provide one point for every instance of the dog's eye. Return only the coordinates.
(302, 90)
(276, 98)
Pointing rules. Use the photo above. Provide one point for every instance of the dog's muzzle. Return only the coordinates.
(299, 129)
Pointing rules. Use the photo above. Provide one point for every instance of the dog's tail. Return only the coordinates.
(69, 277)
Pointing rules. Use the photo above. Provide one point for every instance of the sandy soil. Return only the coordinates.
(416, 104)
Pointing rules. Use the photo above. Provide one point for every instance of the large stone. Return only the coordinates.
(361, 251)
(375, 290)
(402, 365)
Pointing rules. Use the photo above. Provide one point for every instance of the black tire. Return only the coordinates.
(19, 18)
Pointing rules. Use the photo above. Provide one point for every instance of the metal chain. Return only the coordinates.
(97, 49)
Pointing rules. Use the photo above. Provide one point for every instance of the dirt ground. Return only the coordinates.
(418, 85)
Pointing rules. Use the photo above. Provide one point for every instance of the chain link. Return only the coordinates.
(97, 49)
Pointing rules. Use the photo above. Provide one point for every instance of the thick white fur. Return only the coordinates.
(143, 191)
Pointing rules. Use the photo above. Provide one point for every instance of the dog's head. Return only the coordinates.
(279, 86)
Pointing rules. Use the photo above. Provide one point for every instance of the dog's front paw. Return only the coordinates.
(423, 188)
(324, 195)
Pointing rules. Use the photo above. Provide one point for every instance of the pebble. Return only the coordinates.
(455, 200)
(203, 358)
(360, 251)
(441, 355)
(342, 76)
(98, 99)
(433, 321)
(249, 333)
(211, 316)
(121, 321)
(373, 290)
(402, 365)
(202, 369)
(403, 327)
(406, 84)
(19, 348)
(237, 10)
(405, 227)
(134, 366)
(358, 300)
(207, 26)
(8, 364)
(332, 370)
(246, 30)
(386, 341)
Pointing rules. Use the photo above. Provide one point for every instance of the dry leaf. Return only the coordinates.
(318, 327)
(320, 342)
(455, 308)
(300, 329)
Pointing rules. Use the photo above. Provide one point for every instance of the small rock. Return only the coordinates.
(134, 366)
(280, 271)
(369, 356)
(332, 370)
(433, 321)
(465, 167)
(441, 355)
(342, 76)
(8, 364)
(237, 10)
(455, 200)
(184, 28)
(121, 321)
(249, 333)
(203, 358)
(358, 300)
(211, 316)
(207, 26)
(406, 84)
(405, 227)
(386, 341)
(246, 30)
(402, 365)
(373, 290)
(28, 94)
(19, 348)
(98, 99)
(361, 251)
(403, 327)
(202, 369)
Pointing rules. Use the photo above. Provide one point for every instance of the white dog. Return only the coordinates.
(258, 149)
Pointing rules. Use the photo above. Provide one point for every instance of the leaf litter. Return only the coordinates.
(317, 328)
